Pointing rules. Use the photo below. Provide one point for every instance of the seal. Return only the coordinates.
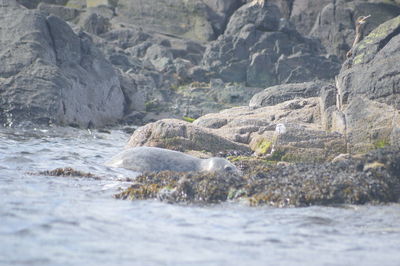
(152, 159)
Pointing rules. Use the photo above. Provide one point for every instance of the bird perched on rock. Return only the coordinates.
(280, 129)
(359, 24)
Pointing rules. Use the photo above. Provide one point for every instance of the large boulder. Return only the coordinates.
(369, 88)
(49, 74)
(180, 135)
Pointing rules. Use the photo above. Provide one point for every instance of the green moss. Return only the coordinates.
(188, 119)
(263, 147)
(382, 30)
(358, 59)
(381, 143)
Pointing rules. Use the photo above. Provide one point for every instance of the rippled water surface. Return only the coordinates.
(75, 221)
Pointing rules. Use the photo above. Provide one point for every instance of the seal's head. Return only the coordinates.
(219, 165)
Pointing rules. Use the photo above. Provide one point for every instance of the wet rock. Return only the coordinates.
(172, 187)
(371, 178)
(66, 172)
(54, 75)
(368, 179)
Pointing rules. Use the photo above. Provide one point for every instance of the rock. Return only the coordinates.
(31, 4)
(304, 13)
(305, 139)
(371, 178)
(281, 93)
(260, 71)
(180, 135)
(265, 19)
(338, 37)
(177, 17)
(221, 10)
(299, 68)
(197, 99)
(49, 74)
(96, 3)
(80, 4)
(368, 86)
(159, 56)
(65, 13)
(262, 49)
(369, 124)
(96, 20)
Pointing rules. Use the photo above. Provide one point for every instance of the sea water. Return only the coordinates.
(48, 220)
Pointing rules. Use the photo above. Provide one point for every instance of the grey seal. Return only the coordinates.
(152, 159)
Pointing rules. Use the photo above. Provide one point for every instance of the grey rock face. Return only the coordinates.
(49, 74)
(304, 13)
(373, 69)
(65, 13)
(369, 87)
(182, 18)
(262, 49)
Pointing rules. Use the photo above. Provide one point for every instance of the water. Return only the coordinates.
(75, 221)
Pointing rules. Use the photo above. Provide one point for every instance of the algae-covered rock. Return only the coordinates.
(182, 188)
(371, 178)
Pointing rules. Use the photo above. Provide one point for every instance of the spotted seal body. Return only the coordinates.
(151, 159)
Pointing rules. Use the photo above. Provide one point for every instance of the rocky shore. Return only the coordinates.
(220, 78)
